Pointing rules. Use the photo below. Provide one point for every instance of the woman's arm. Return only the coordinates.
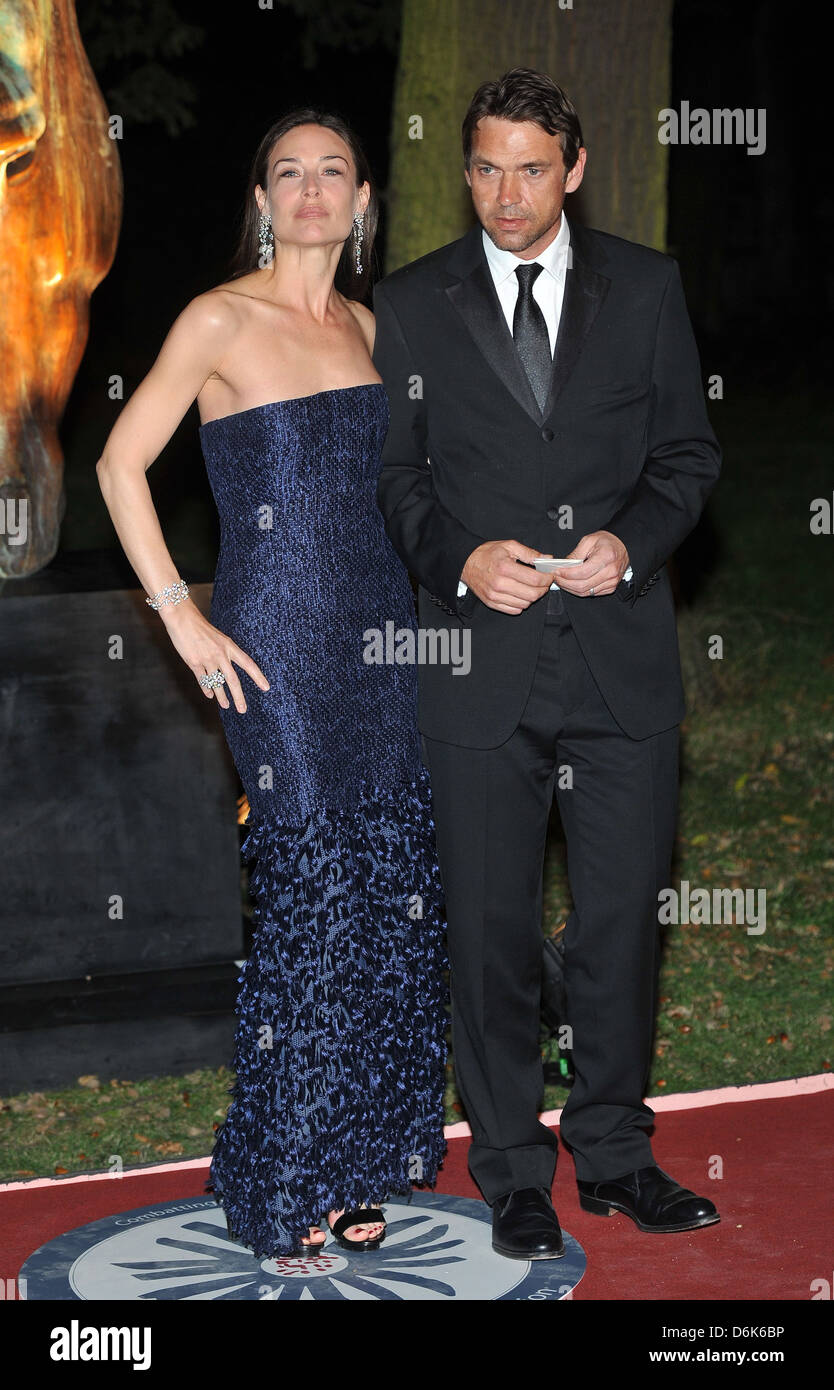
(192, 351)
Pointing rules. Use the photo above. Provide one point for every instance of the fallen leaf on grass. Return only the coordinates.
(35, 1105)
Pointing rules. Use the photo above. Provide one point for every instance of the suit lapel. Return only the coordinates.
(585, 291)
(472, 293)
(478, 304)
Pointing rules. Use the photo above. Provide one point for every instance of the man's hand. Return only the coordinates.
(499, 581)
(606, 561)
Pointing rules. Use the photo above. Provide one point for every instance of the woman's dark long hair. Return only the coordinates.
(245, 258)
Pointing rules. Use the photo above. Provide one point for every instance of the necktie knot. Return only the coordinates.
(526, 275)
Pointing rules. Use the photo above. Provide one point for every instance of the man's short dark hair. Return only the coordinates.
(523, 94)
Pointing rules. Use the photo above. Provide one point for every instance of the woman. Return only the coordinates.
(340, 1044)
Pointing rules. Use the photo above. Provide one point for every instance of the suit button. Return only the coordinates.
(552, 514)
(547, 434)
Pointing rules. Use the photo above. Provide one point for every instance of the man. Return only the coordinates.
(546, 400)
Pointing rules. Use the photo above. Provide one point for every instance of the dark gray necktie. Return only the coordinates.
(531, 336)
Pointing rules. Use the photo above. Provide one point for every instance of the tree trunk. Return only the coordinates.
(611, 57)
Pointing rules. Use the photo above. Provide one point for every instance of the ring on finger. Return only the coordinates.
(213, 679)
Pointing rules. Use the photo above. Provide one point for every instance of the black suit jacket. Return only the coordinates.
(623, 445)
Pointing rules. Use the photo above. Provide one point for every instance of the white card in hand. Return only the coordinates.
(548, 566)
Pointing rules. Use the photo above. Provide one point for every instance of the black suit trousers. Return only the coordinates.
(618, 804)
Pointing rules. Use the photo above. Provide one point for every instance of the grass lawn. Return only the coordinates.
(756, 813)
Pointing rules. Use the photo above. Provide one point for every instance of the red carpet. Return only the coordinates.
(774, 1238)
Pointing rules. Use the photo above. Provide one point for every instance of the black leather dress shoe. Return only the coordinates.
(653, 1200)
(525, 1226)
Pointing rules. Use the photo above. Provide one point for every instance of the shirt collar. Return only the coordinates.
(553, 258)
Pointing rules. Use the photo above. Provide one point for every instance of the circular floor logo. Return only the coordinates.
(436, 1247)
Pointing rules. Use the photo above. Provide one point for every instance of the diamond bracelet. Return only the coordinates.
(172, 593)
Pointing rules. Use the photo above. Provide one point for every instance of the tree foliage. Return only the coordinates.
(133, 46)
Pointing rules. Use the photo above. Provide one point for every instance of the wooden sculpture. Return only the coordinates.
(60, 210)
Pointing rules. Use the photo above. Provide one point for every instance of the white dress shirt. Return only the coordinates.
(548, 292)
(548, 288)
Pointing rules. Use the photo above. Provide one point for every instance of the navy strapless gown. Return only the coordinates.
(340, 1046)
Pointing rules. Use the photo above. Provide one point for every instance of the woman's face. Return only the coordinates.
(311, 192)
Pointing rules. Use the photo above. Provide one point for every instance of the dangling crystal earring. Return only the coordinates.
(266, 241)
(358, 233)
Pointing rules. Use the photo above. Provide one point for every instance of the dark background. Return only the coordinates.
(751, 232)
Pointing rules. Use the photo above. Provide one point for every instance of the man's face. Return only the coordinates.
(518, 183)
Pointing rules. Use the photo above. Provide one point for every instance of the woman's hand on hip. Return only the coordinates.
(204, 649)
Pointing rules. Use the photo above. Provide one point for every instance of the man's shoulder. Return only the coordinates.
(612, 255)
(617, 255)
(415, 274)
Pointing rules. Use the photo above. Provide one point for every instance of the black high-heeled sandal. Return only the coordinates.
(361, 1216)
(302, 1251)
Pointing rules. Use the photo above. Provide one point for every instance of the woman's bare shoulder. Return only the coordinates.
(223, 306)
(365, 319)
